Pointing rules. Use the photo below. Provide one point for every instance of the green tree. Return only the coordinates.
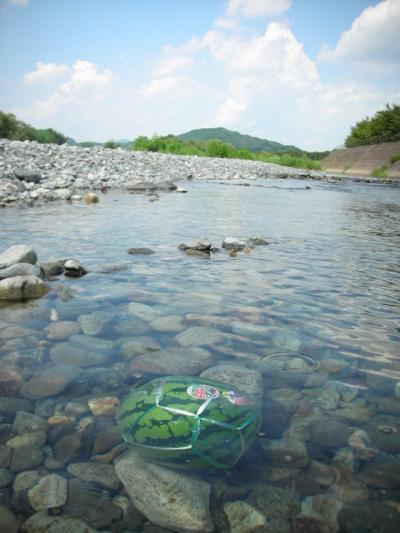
(384, 126)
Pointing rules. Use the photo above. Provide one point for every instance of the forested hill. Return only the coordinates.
(254, 144)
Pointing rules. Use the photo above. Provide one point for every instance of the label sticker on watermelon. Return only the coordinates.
(235, 398)
(202, 392)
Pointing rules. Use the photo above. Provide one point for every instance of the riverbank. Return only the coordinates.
(32, 172)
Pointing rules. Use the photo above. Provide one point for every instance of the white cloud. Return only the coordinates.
(277, 53)
(176, 58)
(373, 38)
(46, 73)
(18, 2)
(177, 84)
(86, 82)
(257, 8)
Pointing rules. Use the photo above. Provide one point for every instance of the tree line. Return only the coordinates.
(384, 126)
(12, 128)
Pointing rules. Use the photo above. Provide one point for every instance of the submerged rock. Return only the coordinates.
(199, 336)
(140, 251)
(19, 288)
(19, 253)
(49, 493)
(245, 379)
(199, 246)
(173, 361)
(168, 498)
(50, 382)
(243, 518)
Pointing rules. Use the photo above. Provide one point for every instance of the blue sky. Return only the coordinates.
(295, 71)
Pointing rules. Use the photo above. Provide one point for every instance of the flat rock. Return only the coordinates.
(11, 406)
(26, 459)
(19, 253)
(25, 422)
(140, 251)
(21, 269)
(89, 342)
(42, 522)
(138, 346)
(171, 323)
(370, 516)
(199, 246)
(94, 507)
(101, 474)
(50, 382)
(62, 329)
(168, 498)
(50, 492)
(94, 323)
(275, 502)
(245, 379)
(20, 288)
(330, 433)
(143, 311)
(66, 354)
(199, 336)
(52, 268)
(174, 361)
(8, 521)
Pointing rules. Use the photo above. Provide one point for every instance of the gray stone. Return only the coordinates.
(26, 459)
(19, 253)
(143, 311)
(20, 288)
(95, 322)
(94, 507)
(66, 354)
(52, 268)
(274, 502)
(140, 251)
(50, 492)
(95, 344)
(21, 269)
(168, 498)
(63, 329)
(243, 518)
(361, 443)
(199, 336)
(6, 477)
(257, 241)
(384, 432)
(11, 406)
(382, 472)
(171, 323)
(28, 175)
(325, 508)
(389, 406)
(27, 440)
(199, 246)
(330, 433)
(8, 521)
(174, 361)
(286, 452)
(73, 268)
(370, 516)
(230, 243)
(245, 379)
(139, 345)
(132, 326)
(101, 474)
(42, 522)
(50, 382)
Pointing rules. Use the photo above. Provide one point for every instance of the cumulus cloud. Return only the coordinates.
(373, 38)
(85, 81)
(46, 73)
(257, 8)
(177, 84)
(177, 58)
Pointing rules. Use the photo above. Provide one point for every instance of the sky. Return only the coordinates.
(300, 72)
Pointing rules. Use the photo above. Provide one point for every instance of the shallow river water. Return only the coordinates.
(316, 312)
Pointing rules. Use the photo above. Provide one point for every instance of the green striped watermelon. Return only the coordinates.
(189, 422)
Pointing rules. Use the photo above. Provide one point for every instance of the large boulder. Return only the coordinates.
(21, 269)
(168, 498)
(19, 253)
(20, 288)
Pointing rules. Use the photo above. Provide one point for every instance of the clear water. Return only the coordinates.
(325, 291)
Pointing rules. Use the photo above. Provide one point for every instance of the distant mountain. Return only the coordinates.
(254, 144)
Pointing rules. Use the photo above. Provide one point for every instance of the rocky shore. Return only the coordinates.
(32, 172)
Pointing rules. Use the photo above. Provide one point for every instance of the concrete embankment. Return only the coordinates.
(362, 160)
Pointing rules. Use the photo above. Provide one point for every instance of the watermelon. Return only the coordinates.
(189, 422)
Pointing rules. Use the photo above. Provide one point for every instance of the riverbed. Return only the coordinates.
(315, 312)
